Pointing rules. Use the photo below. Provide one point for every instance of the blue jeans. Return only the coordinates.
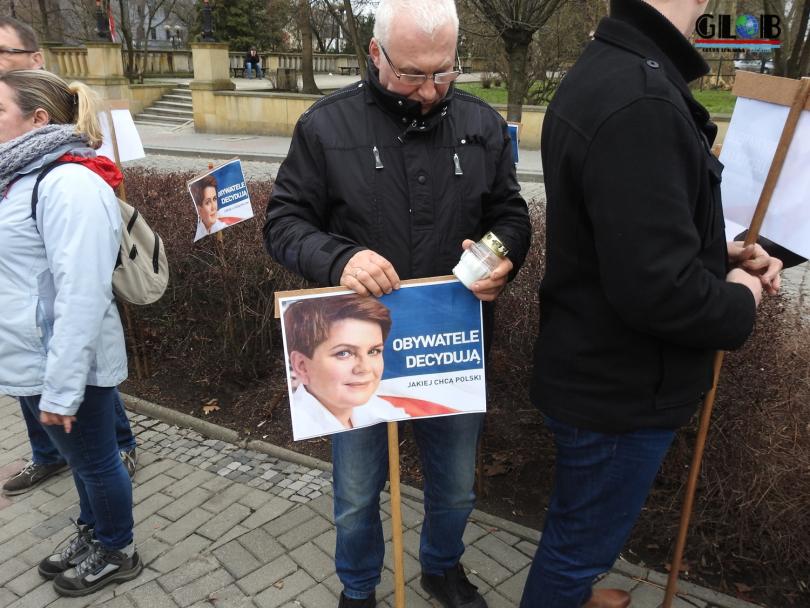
(45, 452)
(249, 68)
(447, 447)
(91, 450)
(600, 484)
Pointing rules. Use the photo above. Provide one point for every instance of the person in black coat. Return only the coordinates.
(640, 288)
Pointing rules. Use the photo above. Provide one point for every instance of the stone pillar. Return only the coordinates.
(212, 72)
(105, 70)
(51, 62)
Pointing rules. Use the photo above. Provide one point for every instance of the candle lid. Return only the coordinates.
(494, 244)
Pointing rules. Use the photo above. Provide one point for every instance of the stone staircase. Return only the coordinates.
(171, 110)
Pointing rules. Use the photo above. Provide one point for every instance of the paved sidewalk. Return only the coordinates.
(220, 525)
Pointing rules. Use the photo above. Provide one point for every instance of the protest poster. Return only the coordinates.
(120, 140)
(749, 146)
(353, 361)
(220, 198)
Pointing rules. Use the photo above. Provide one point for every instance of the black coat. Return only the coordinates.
(634, 301)
(366, 170)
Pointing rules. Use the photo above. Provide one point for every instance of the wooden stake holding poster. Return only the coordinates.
(355, 361)
(796, 94)
(120, 140)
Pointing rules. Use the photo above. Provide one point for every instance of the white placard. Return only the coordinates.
(130, 146)
(748, 150)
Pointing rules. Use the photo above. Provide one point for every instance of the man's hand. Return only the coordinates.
(489, 288)
(57, 419)
(756, 261)
(738, 275)
(368, 272)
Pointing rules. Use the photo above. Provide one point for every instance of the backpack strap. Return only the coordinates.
(35, 193)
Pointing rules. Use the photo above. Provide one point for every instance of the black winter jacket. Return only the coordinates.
(366, 170)
(634, 301)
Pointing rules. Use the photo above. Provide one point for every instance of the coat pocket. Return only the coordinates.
(685, 375)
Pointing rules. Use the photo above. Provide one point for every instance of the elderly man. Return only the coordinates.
(19, 51)
(640, 287)
(386, 180)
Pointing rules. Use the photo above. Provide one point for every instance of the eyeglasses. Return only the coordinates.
(420, 79)
(11, 51)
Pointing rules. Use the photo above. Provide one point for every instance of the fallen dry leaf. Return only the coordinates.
(212, 405)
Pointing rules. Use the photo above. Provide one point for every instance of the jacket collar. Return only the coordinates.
(405, 111)
(637, 27)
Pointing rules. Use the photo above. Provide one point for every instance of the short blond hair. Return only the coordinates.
(66, 104)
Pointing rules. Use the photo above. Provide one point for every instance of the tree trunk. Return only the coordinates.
(352, 25)
(306, 49)
(798, 62)
(517, 51)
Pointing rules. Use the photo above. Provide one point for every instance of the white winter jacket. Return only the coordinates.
(59, 324)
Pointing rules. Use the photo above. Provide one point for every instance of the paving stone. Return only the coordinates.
(150, 526)
(223, 498)
(327, 541)
(23, 523)
(219, 523)
(37, 598)
(23, 582)
(184, 526)
(6, 597)
(153, 470)
(318, 564)
(188, 572)
(284, 590)
(413, 599)
(230, 535)
(617, 581)
(16, 545)
(144, 490)
(512, 588)
(472, 533)
(202, 588)
(229, 597)
(182, 505)
(486, 567)
(189, 548)
(505, 554)
(412, 567)
(292, 519)
(180, 471)
(236, 559)
(320, 596)
(303, 533)
(150, 506)
(496, 600)
(216, 484)
(267, 575)
(194, 479)
(528, 549)
(151, 595)
(274, 509)
(261, 545)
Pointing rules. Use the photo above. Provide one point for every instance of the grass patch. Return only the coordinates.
(715, 101)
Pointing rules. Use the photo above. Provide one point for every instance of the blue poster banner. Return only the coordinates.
(220, 198)
(353, 361)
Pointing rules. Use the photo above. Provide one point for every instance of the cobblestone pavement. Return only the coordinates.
(222, 526)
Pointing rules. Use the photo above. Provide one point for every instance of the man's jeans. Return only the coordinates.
(447, 447)
(600, 484)
(249, 69)
(91, 450)
(45, 452)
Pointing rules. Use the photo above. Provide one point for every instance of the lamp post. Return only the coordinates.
(102, 24)
(173, 35)
(207, 26)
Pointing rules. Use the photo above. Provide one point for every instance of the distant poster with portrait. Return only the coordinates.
(353, 361)
(514, 134)
(220, 198)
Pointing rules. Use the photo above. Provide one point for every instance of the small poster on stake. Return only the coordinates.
(220, 198)
(353, 361)
(759, 115)
(514, 133)
(129, 142)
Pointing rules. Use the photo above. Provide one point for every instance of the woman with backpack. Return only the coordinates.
(62, 348)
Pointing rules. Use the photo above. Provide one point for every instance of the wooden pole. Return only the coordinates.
(396, 515)
(779, 156)
(141, 366)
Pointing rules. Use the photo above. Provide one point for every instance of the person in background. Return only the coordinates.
(253, 63)
(389, 179)
(19, 50)
(62, 350)
(640, 290)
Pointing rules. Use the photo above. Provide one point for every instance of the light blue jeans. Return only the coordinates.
(447, 447)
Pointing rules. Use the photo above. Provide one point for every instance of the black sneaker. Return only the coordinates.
(31, 476)
(78, 546)
(130, 460)
(347, 602)
(453, 589)
(98, 569)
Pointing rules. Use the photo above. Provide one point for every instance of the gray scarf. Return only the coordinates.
(28, 147)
